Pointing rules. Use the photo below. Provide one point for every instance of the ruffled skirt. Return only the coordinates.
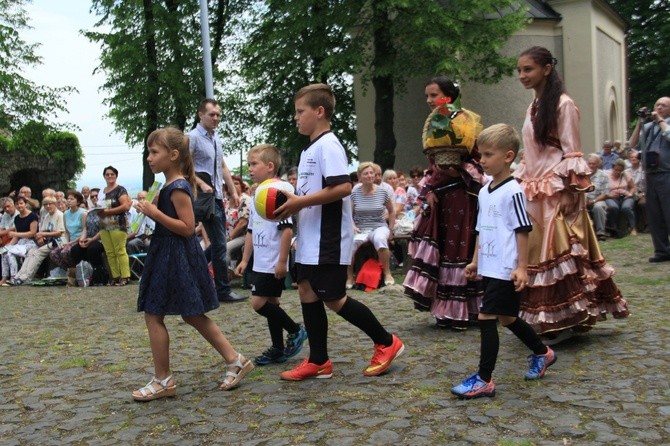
(442, 244)
(570, 284)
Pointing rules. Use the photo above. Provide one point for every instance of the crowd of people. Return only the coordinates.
(45, 240)
(488, 242)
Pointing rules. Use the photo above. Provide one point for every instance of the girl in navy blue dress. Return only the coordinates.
(175, 279)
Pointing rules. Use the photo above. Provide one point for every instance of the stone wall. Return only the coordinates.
(19, 169)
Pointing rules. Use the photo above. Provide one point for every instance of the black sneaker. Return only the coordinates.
(272, 355)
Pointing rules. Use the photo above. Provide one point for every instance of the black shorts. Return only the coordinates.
(266, 285)
(500, 298)
(328, 281)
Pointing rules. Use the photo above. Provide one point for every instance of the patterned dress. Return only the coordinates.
(175, 279)
(441, 245)
(569, 282)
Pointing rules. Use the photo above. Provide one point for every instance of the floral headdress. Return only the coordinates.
(450, 125)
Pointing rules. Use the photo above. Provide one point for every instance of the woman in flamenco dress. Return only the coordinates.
(570, 284)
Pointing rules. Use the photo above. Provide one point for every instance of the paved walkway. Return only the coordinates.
(69, 358)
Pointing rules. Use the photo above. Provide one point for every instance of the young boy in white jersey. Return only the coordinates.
(501, 257)
(325, 237)
(270, 242)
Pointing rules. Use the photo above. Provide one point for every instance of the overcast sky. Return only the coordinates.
(69, 59)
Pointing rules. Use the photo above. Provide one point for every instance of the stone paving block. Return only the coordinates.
(66, 377)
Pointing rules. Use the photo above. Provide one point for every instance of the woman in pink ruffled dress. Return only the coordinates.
(570, 285)
(443, 239)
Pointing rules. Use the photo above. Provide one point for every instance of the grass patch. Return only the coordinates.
(75, 362)
(522, 442)
(115, 368)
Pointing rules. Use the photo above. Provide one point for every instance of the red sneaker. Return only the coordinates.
(384, 356)
(307, 370)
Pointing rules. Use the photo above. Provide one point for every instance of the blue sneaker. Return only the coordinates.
(538, 364)
(294, 342)
(474, 387)
(273, 355)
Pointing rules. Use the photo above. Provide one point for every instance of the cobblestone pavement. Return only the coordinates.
(69, 358)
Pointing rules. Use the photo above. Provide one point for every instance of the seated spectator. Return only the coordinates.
(608, 156)
(390, 177)
(86, 192)
(619, 149)
(25, 228)
(27, 193)
(237, 221)
(75, 230)
(93, 198)
(61, 204)
(620, 198)
(9, 213)
(369, 201)
(291, 177)
(636, 172)
(49, 236)
(138, 241)
(415, 175)
(402, 179)
(90, 248)
(48, 192)
(595, 200)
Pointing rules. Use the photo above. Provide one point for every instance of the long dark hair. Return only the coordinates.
(545, 112)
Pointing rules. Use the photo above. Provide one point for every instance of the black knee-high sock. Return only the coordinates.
(489, 345)
(273, 314)
(277, 313)
(360, 316)
(527, 335)
(316, 324)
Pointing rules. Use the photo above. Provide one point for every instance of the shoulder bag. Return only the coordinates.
(203, 206)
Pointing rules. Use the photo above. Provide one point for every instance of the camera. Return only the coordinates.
(644, 113)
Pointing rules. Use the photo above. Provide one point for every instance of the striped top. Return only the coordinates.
(369, 209)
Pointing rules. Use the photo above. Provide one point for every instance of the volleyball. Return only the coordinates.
(269, 196)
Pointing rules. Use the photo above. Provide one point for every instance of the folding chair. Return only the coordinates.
(137, 264)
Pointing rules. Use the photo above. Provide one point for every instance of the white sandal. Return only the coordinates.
(150, 392)
(233, 378)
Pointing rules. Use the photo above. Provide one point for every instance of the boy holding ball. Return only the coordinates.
(270, 242)
(325, 237)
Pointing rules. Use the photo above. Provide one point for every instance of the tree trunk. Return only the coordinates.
(384, 58)
(152, 89)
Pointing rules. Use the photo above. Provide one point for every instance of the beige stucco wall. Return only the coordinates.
(594, 55)
(588, 43)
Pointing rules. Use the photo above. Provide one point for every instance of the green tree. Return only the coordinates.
(646, 39)
(22, 100)
(383, 41)
(152, 60)
(293, 44)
